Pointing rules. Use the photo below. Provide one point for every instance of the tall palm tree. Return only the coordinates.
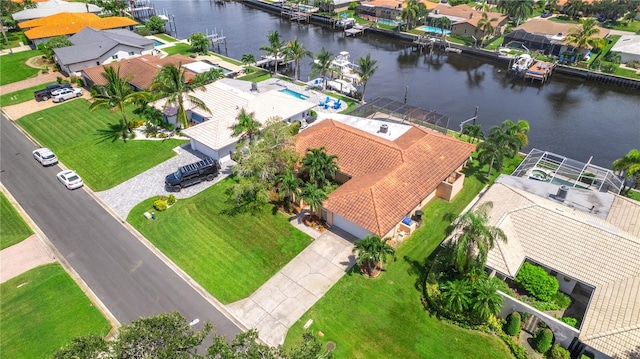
(275, 47)
(289, 185)
(322, 65)
(443, 23)
(296, 51)
(497, 146)
(522, 9)
(320, 166)
(413, 11)
(519, 130)
(486, 25)
(366, 69)
(456, 295)
(248, 60)
(584, 35)
(372, 251)
(482, 6)
(116, 94)
(313, 196)
(474, 238)
(247, 126)
(487, 301)
(474, 132)
(170, 82)
(573, 7)
(629, 165)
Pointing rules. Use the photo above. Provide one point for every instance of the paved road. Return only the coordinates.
(129, 279)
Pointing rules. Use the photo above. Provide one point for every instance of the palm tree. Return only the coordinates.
(289, 185)
(296, 51)
(443, 23)
(170, 82)
(629, 165)
(473, 131)
(247, 125)
(517, 10)
(474, 238)
(321, 166)
(573, 7)
(583, 36)
(497, 146)
(372, 251)
(116, 94)
(247, 61)
(366, 69)
(322, 65)
(519, 130)
(456, 295)
(543, 5)
(313, 196)
(486, 25)
(487, 301)
(412, 11)
(482, 6)
(275, 47)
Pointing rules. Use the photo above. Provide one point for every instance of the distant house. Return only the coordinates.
(464, 19)
(66, 24)
(628, 46)
(387, 173)
(46, 8)
(385, 9)
(93, 47)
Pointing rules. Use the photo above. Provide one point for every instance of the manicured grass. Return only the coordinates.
(178, 48)
(626, 73)
(230, 256)
(21, 96)
(42, 310)
(495, 43)
(632, 27)
(72, 132)
(256, 76)
(564, 21)
(384, 317)
(227, 59)
(13, 228)
(14, 67)
(634, 194)
(165, 37)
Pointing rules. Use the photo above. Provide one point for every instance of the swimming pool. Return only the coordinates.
(305, 7)
(388, 22)
(295, 94)
(435, 30)
(158, 43)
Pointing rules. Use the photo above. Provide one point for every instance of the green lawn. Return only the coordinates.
(14, 67)
(564, 21)
(384, 317)
(634, 194)
(626, 73)
(13, 229)
(42, 310)
(20, 96)
(495, 43)
(178, 48)
(256, 76)
(165, 37)
(632, 27)
(230, 256)
(71, 131)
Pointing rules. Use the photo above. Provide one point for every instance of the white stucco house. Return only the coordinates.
(628, 46)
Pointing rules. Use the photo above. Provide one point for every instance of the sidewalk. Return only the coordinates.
(22, 257)
(30, 82)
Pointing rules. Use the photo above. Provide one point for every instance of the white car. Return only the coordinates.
(45, 157)
(66, 94)
(70, 179)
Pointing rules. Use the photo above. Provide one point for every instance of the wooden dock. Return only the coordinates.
(421, 43)
(540, 71)
(356, 30)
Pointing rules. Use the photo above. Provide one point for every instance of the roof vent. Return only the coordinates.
(562, 193)
(254, 86)
(384, 128)
(471, 16)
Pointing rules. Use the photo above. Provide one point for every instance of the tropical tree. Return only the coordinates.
(482, 6)
(519, 131)
(486, 301)
(54, 43)
(296, 51)
(543, 5)
(322, 65)
(116, 94)
(517, 10)
(199, 42)
(412, 12)
(372, 252)
(170, 82)
(320, 166)
(583, 36)
(629, 165)
(247, 125)
(248, 60)
(486, 26)
(313, 196)
(497, 146)
(456, 295)
(367, 67)
(275, 48)
(289, 185)
(155, 24)
(573, 7)
(630, 17)
(443, 23)
(474, 132)
(473, 238)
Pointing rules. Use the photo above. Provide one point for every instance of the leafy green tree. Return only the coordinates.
(367, 67)
(573, 7)
(456, 295)
(313, 196)
(514, 324)
(558, 352)
(629, 165)
(320, 166)
(115, 95)
(487, 301)
(487, 27)
(90, 346)
(247, 125)
(473, 238)
(322, 65)
(248, 60)
(199, 42)
(584, 35)
(155, 24)
(290, 185)
(54, 43)
(537, 282)
(518, 131)
(372, 252)
(412, 12)
(442, 23)
(274, 48)
(170, 82)
(474, 132)
(296, 51)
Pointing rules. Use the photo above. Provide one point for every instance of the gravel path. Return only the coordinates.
(127, 195)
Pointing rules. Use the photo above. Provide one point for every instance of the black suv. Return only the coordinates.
(193, 173)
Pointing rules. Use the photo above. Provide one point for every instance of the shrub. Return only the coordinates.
(558, 352)
(519, 351)
(160, 205)
(608, 67)
(570, 321)
(142, 31)
(542, 340)
(513, 324)
(633, 64)
(537, 281)
(562, 300)
(162, 135)
(136, 123)
(294, 128)
(59, 79)
(171, 200)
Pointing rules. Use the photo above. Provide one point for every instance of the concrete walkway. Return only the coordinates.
(284, 298)
(150, 183)
(22, 257)
(31, 82)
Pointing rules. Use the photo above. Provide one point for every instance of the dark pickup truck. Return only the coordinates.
(188, 175)
(45, 94)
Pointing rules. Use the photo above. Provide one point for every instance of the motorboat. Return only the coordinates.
(522, 63)
(347, 69)
(346, 22)
(342, 86)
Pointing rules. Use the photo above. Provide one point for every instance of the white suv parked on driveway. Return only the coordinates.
(66, 94)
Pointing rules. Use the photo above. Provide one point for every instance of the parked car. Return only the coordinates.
(45, 157)
(46, 93)
(70, 179)
(192, 174)
(66, 94)
(546, 14)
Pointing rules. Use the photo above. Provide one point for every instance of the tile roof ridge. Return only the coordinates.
(612, 332)
(375, 209)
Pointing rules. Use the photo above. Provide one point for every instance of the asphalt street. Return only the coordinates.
(129, 279)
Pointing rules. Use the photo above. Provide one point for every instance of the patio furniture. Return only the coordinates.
(321, 104)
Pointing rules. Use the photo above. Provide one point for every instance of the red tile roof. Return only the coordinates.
(67, 23)
(389, 178)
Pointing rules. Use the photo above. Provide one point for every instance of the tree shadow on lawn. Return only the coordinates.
(113, 133)
(475, 169)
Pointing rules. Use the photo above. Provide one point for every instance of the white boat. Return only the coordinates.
(346, 22)
(347, 69)
(522, 63)
(342, 86)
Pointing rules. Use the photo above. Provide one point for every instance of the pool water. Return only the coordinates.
(305, 7)
(295, 94)
(158, 43)
(435, 30)
(388, 22)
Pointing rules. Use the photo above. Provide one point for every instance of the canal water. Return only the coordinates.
(568, 116)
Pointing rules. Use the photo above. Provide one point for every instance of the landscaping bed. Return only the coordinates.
(13, 228)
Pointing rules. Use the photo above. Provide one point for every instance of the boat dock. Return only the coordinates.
(422, 42)
(540, 71)
(355, 30)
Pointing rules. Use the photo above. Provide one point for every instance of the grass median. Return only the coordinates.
(230, 256)
(72, 132)
(42, 310)
(15, 68)
(13, 228)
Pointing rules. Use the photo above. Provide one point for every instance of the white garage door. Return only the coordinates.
(349, 226)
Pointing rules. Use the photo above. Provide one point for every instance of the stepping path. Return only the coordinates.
(283, 299)
(22, 257)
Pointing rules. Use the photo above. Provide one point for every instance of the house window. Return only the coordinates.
(131, 53)
(465, 31)
(114, 57)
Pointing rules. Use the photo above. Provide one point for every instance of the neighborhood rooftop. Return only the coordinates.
(70, 23)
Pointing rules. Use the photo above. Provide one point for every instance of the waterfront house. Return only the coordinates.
(464, 19)
(47, 8)
(93, 47)
(628, 46)
(388, 171)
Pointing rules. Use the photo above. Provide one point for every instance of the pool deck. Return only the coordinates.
(312, 92)
(215, 60)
